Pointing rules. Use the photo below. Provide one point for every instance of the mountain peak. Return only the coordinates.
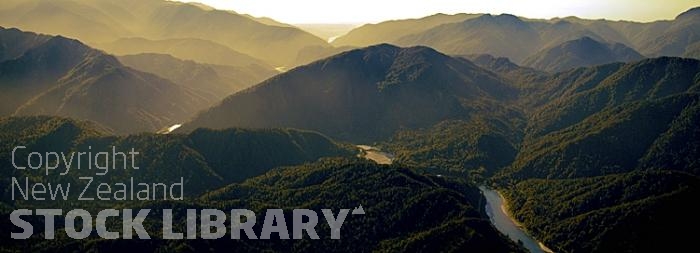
(585, 39)
(691, 13)
(59, 41)
(581, 52)
(381, 47)
(502, 19)
(583, 44)
(362, 95)
(383, 56)
(492, 62)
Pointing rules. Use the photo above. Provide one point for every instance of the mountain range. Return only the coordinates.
(514, 125)
(61, 76)
(391, 31)
(612, 119)
(104, 21)
(108, 25)
(466, 34)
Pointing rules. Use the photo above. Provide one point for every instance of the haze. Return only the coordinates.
(372, 11)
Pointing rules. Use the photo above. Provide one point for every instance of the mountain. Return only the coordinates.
(676, 39)
(632, 212)
(523, 77)
(612, 119)
(64, 77)
(109, 20)
(493, 34)
(693, 51)
(364, 94)
(75, 19)
(634, 34)
(216, 81)
(582, 52)
(391, 31)
(14, 43)
(198, 50)
(489, 34)
(486, 34)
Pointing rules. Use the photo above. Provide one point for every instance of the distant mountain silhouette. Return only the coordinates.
(363, 94)
(198, 50)
(64, 77)
(676, 38)
(581, 53)
(216, 81)
(391, 31)
(108, 20)
(85, 20)
(501, 35)
(518, 38)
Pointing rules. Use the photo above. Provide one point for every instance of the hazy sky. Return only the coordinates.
(371, 11)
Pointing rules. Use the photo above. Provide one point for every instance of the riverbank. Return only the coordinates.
(496, 209)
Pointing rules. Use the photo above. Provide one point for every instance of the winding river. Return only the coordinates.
(500, 218)
(495, 206)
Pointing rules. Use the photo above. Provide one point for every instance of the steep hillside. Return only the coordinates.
(64, 77)
(485, 34)
(109, 20)
(480, 147)
(678, 37)
(206, 159)
(621, 121)
(365, 94)
(582, 52)
(391, 31)
(634, 212)
(198, 50)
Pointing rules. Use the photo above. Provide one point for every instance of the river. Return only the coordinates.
(495, 206)
(501, 219)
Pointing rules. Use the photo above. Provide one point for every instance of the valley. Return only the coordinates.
(482, 132)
